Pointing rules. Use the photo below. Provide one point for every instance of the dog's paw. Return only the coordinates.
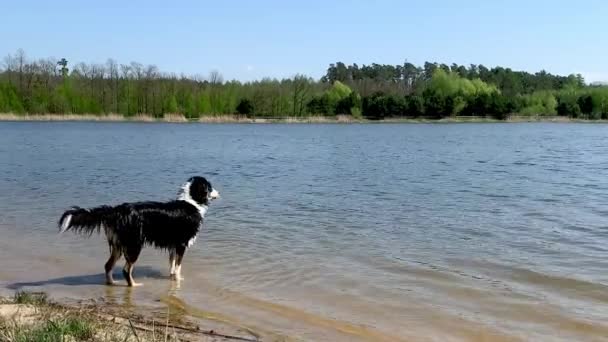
(174, 276)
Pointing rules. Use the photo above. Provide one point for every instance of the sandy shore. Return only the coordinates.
(32, 316)
(178, 118)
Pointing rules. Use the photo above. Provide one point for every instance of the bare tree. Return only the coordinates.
(21, 60)
(112, 72)
(126, 75)
(215, 81)
(215, 78)
(49, 71)
(9, 62)
(137, 69)
(97, 72)
(151, 73)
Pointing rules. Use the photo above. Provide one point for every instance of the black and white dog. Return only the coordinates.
(171, 226)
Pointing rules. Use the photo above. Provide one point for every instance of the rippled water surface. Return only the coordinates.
(333, 232)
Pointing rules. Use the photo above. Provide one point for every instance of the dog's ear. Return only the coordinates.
(199, 190)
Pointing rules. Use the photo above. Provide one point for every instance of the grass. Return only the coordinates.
(59, 330)
(33, 298)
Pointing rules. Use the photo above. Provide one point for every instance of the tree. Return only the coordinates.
(301, 89)
(373, 90)
(20, 58)
(172, 105)
(585, 103)
(245, 107)
(318, 105)
(63, 63)
(350, 105)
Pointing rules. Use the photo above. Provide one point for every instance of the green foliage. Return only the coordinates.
(585, 103)
(599, 99)
(171, 106)
(245, 107)
(374, 91)
(414, 106)
(539, 103)
(447, 93)
(11, 100)
(380, 106)
(567, 103)
(338, 91)
(349, 104)
(33, 298)
(190, 109)
(338, 99)
(356, 112)
(204, 104)
(72, 328)
(319, 105)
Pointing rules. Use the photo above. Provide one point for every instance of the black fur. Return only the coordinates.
(129, 227)
(164, 225)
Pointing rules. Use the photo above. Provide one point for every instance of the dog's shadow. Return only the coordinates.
(90, 279)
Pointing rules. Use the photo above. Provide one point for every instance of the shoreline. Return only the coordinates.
(32, 315)
(224, 119)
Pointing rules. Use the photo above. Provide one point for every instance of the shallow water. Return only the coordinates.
(332, 232)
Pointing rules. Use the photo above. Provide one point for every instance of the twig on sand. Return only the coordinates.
(203, 332)
(230, 337)
(133, 330)
(167, 326)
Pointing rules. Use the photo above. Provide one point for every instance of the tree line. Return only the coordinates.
(373, 91)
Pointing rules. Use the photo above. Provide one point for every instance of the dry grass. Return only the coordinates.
(343, 119)
(224, 119)
(31, 317)
(61, 117)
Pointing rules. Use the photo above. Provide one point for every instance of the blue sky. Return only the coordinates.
(250, 39)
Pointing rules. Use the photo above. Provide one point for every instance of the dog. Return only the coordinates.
(172, 226)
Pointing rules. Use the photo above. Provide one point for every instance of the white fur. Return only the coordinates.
(184, 195)
(178, 272)
(214, 194)
(172, 271)
(66, 223)
(192, 241)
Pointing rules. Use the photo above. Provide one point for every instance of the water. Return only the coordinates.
(333, 232)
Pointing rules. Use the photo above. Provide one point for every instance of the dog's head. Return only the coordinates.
(199, 190)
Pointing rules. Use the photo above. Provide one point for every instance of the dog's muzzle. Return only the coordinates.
(214, 194)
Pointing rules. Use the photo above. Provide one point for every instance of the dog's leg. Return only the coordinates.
(131, 256)
(114, 256)
(180, 251)
(172, 262)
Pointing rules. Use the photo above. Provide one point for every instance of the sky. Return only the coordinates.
(248, 40)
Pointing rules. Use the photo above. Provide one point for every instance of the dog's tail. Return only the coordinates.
(85, 221)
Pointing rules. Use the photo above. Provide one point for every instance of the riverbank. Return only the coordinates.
(178, 118)
(31, 316)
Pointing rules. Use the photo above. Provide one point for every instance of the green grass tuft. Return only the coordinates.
(34, 298)
(55, 331)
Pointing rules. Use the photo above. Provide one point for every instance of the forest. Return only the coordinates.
(375, 91)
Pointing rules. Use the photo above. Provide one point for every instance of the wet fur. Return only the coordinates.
(171, 226)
